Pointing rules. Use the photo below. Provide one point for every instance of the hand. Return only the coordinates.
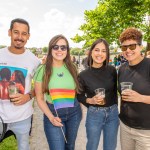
(19, 99)
(131, 96)
(96, 100)
(56, 121)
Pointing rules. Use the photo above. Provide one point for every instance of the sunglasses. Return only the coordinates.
(131, 47)
(62, 47)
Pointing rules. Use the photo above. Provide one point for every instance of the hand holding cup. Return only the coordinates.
(126, 88)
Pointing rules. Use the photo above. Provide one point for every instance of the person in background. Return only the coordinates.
(85, 60)
(57, 79)
(43, 60)
(73, 59)
(115, 60)
(148, 54)
(100, 117)
(135, 103)
(123, 60)
(17, 113)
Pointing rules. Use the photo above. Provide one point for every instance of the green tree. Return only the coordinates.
(77, 51)
(2, 46)
(33, 50)
(111, 17)
(45, 49)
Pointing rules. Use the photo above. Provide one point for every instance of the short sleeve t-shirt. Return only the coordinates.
(19, 70)
(61, 85)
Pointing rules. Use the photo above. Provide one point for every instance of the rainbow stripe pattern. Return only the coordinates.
(62, 98)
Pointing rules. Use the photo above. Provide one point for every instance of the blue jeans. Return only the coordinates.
(21, 130)
(71, 118)
(98, 119)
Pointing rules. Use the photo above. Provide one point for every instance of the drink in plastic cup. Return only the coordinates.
(101, 92)
(125, 86)
(12, 89)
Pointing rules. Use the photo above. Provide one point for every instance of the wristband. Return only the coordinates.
(30, 95)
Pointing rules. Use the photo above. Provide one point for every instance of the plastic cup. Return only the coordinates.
(101, 92)
(12, 89)
(126, 85)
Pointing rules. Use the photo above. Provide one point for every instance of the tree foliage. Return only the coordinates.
(76, 51)
(2, 46)
(111, 17)
(45, 49)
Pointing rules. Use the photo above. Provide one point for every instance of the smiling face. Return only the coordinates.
(99, 55)
(59, 54)
(133, 56)
(19, 36)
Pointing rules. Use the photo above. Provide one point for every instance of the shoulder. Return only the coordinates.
(123, 67)
(41, 67)
(110, 68)
(84, 72)
(32, 57)
(3, 50)
(147, 60)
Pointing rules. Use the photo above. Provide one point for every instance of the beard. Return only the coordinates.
(19, 46)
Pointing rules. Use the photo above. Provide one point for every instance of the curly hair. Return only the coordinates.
(131, 34)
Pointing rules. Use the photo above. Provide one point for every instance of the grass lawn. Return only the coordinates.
(9, 143)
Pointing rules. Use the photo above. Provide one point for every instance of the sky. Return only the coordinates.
(47, 18)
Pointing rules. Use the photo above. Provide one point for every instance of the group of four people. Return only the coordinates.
(59, 89)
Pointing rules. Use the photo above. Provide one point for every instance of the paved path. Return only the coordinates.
(38, 140)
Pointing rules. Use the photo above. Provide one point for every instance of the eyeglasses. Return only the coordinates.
(131, 47)
(62, 47)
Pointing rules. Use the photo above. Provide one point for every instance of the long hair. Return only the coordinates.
(19, 77)
(90, 59)
(49, 64)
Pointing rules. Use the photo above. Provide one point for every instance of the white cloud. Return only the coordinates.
(55, 22)
(44, 20)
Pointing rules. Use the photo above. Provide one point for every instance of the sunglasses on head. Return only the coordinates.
(131, 47)
(62, 47)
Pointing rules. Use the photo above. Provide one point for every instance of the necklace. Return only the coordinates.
(60, 74)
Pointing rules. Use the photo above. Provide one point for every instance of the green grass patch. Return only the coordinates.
(9, 143)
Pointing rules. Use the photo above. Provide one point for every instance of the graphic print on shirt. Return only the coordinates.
(11, 76)
(62, 98)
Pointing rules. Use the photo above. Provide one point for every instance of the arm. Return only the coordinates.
(56, 121)
(133, 96)
(95, 100)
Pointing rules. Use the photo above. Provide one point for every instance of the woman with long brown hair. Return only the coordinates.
(99, 95)
(57, 79)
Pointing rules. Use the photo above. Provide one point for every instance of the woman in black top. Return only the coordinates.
(100, 117)
(135, 104)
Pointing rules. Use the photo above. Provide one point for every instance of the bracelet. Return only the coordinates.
(30, 95)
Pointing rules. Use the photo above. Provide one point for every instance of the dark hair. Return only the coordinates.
(90, 59)
(19, 77)
(49, 61)
(131, 34)
(5, 73)
(19, 20)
